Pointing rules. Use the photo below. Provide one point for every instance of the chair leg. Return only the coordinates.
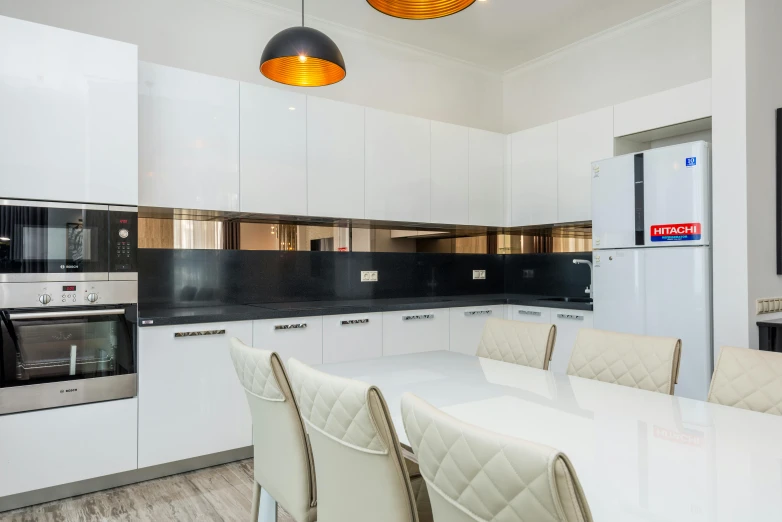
(254, 511)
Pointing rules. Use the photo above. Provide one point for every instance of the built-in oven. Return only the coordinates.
(65, 356)
(52, 241)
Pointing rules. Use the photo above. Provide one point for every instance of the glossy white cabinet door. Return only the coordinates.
(534, 177)
(40, 449)
(352, 337)
(68, 115)
(487, 157)
(190, 400)
(568, 323)
(450, 174)
(273, 150)
(582, 140)
(335, 159)
(397, 167)
(531, 314)
(299, 337)
(188, 139)
(467, 326)
(416, 331)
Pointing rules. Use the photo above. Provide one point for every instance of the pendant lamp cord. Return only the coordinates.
(302, 13)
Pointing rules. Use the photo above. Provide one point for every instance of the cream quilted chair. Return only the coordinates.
(476, 475)
(748, 379)
(637, 361)
(283, 460)
(361, 472)
(527, 344)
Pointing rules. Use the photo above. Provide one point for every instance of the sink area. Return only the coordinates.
(587, 300)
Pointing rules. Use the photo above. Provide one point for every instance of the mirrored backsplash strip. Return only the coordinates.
(269, 234)
(200, 277)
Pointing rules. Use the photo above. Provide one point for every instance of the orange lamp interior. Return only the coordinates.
(302, 72)
(420, 9)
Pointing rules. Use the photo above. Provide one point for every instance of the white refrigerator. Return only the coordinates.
(651, 227)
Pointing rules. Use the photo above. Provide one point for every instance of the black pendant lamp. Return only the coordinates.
(420, 9)
(302, 56)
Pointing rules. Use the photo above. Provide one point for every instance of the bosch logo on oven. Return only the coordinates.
(678, 232)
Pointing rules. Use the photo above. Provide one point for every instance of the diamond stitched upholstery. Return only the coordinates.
(336, 406)
(527, 344)
(473, 474)
(648, 363)
(254, 368)
(748, 379)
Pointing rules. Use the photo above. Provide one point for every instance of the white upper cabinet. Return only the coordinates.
(582, 139)
(68, 115)
(273, 150)
(397, 172)
(189, 139)
(487, 157)
(534, 176)
(450, 174)
(335, 159)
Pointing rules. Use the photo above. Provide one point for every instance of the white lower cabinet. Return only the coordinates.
(568, 323)
(352, 337)
(190, 400)
(299, 337)
(530, 314)
(415, 331)
(467, 326)
(41, 449)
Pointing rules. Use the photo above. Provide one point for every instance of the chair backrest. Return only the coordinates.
(637, 361)
(527, 344)
(748, 379)
(473, 474)
(358, 460)
(283, 460)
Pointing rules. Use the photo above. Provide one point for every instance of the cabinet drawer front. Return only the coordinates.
(299, 337)
(352, 337)
(415, 331)
(190, 400)
(47, 448)
(531, 314)
(568, 323)
(466, 326)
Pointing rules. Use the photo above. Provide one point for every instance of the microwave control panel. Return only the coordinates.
(123, 244)
(59, 294)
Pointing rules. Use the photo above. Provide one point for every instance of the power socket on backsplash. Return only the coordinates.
(479, 274)
(369, 276)
(528, 274)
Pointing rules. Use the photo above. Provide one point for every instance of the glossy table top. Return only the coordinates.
(641, 456)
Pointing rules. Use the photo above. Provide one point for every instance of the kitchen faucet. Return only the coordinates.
(589, 288)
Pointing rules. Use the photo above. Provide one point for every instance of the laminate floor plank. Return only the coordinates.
(217, 494)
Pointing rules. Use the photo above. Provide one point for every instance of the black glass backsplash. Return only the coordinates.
(169, 277)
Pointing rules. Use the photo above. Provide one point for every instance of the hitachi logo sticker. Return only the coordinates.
(679, 232)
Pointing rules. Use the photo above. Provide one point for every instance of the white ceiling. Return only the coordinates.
(493, 34)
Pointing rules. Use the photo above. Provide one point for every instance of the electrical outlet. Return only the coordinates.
(479, 274)
(768, 305)
(528, 274)
(369, 276)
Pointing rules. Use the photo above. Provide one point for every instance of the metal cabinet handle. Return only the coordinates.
(299, 326)
(348, 322)
(417, 317)
(530, 312)
(478, 312)
(198, 334)
(568, 316)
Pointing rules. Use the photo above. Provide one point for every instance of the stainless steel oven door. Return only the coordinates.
(42, 241)
(68, 356)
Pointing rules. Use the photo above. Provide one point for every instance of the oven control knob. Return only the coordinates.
(92, 297)
(45, 299)
(123, 233)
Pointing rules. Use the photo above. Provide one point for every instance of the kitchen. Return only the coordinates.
(387, 215)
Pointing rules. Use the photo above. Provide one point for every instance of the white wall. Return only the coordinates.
(662, 50)
(226, 38)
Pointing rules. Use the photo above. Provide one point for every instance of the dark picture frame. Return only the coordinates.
(779, 191)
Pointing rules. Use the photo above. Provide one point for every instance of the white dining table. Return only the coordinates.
(640, 456)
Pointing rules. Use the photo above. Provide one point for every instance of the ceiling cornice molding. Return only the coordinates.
(632, 24)
(282, 13)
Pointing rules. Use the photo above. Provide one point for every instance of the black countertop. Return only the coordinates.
(250, 312)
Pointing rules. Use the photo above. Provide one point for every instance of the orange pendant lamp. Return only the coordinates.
(420, 9)
(303, 57)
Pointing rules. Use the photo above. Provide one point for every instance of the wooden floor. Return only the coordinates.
(218, 493)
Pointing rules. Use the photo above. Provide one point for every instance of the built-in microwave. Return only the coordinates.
(52, 241)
